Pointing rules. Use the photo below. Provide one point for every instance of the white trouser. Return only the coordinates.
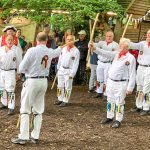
(32, 100)
(116, 99)
(142, 79)
(64, 85)
(7, 84)
(102, 75)
(92, 76)
(146, 89)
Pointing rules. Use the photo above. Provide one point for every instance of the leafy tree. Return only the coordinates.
(80, 11)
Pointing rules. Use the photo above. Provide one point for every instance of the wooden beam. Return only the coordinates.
(129, 5)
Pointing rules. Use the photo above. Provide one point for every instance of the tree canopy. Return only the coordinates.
(79, 10)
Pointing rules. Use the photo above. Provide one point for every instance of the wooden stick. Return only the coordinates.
(90, 26)
(125, 29)
(91, 39)
(93, 29)
(54, 81)
(68, 43)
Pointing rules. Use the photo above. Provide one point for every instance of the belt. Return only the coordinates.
(105, 61)
(144, 65)
(65, 67)
(119, 80)
(38, 77)
(9, 69)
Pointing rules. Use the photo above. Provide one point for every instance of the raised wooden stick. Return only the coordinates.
(125, 29)
(91, 39)
(90, 26)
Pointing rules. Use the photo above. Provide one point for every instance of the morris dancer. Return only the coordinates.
(9, 64)
(104, 62)
(67, 68)
(142, 78)
(121, 80)
(9, 30)
(35, 65)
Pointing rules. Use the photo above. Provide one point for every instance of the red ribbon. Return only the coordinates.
(69, 48)
(148, 44)
(122, 53)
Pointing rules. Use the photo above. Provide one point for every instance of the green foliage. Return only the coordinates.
(79, 10)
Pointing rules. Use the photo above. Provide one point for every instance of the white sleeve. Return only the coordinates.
(18, 45)
(99, 44)
(19, 57)
(26, 62)
(116, 47)
(132, 75)
(75, 65)
(108, 54)
(59, 61)
(136, 46)
(55, 52)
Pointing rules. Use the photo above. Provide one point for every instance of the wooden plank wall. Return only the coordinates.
(138, 9)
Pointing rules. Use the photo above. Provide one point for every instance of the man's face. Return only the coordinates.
(69, 41)
(123, 46)
(9, 41)
(10, 32)
(81, 37)
(47, 30)
(109, 36)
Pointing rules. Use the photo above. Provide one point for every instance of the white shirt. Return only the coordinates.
(110, 47)
(69, 60)
(144, 52)
(11, 59)
(37, 61)
(123, 68)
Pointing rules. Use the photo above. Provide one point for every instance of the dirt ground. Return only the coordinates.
(77, 127)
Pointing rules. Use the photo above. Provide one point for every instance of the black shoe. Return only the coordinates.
(116, 124)
(144, 113)
(18, 141)
(35, 141)
(63, 104)
(91, 91)
(99, 95)
(57, 102)
(135, 109)
(3, 106)
(10, 111)
(106, 121)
